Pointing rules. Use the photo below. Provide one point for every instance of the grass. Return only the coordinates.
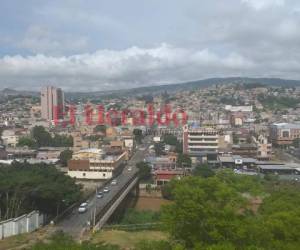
(24, 241)
(15, 241)
(127, 240)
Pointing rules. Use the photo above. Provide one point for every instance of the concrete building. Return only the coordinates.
(284, 133)
(52, 103)
(94, 164)
(9, 138)
(264, 148)
(238, 108)
(200, 140)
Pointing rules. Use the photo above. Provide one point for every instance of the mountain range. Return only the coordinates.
(156, 89)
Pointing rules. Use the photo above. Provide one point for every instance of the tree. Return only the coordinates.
(44, 139)
(178, 147)
(154, 245)
(167, 190)
(26, 141)
(204, 211)
(159, 148)
(41, 136)
(204, 171)
(25, 187)
(184, 161)
(144, 170)
(65, 156)
(61, 141)
(170, 139)
(217, 213)
(100, 128)
(138, 135)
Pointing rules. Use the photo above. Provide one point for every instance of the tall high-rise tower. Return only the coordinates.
(52, 103)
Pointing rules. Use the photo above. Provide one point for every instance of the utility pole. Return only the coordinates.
(95, 209)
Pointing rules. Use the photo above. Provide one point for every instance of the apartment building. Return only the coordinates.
(200, 140)
(52, 103)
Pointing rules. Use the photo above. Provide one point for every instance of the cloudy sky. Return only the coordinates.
(86, 45)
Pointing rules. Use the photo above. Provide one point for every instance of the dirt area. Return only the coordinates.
(127, 240)
(152, 193)
(150, 203)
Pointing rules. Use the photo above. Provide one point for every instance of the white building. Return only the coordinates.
(95, 164)
(200, 140)
(9, 138)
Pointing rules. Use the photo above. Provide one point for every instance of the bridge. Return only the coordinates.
(100, 210)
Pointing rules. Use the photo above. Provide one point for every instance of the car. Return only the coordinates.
(130, 168)
(83, 207)
(84, 204)
(106, 190)
(114, 182)
(99, 195)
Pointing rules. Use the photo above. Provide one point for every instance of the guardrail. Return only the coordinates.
(69, 209)
(114, 199)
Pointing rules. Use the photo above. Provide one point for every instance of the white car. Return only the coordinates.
(114, 182)
(130, 168)
(106, 190)
(84, 204)
(99, 195)
(83, 208)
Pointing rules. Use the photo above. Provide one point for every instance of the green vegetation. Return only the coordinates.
(93, 137)
(65, 156)
(144, 170)
(184, 161)
(172, 140)
(278, 102)
(100, 128)
(25, 187)
(254, 85)
(223, 211)
(159, 148)
(133, 216)
(204, 171)
(137, 240)
(27, 141)
(138, 135)
(44, 139)
(61, 241)
(217, 213)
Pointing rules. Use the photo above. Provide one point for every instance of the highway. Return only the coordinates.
(76, 223)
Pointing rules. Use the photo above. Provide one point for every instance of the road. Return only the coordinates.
(75, 223)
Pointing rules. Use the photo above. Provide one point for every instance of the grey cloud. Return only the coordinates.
(114, 69)
(120, 44)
